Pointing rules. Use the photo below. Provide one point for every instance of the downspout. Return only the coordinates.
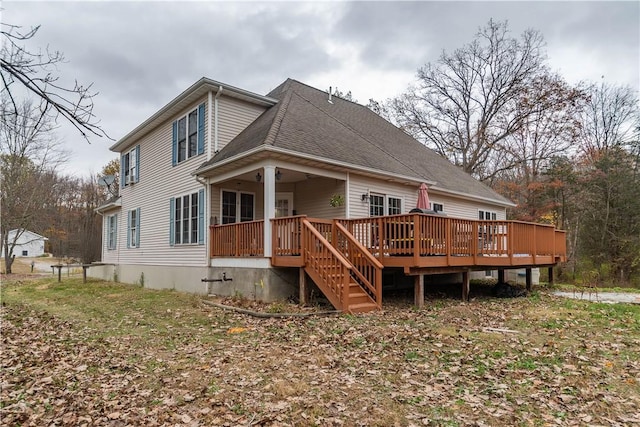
(215, 137)
(347, 196)
(209, 124)
(207, 212)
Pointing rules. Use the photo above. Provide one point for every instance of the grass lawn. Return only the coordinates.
(109, 354)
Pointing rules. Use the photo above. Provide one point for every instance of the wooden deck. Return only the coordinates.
(410, 241)
(345, 257)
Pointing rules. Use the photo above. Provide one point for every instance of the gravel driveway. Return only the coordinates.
(607, 297)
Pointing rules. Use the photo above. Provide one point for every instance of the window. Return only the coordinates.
(187, 219)
(237, 207)
(25, 253)
(378, 207)
(112, 229)
(129, 167)
(133, 228)
(437, 207)
(188, 135)
(487, 215)
(395, 206)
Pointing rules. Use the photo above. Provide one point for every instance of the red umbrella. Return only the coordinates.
(423, 197)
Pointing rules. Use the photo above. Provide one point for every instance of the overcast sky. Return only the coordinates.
(140, 55)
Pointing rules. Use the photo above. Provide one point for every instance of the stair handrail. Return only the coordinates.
(345, 265)
(373, 284)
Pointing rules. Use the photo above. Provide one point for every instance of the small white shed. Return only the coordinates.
(29, 244)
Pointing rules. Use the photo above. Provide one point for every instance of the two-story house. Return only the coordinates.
(256, 194)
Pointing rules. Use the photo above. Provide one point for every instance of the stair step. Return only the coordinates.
(362, 307)
(359, 298)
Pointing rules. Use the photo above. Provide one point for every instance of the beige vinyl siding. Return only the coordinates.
(234, 115)
(159, 181)
(462, 208)
(311, 198)
(453, 206)
(359, 185)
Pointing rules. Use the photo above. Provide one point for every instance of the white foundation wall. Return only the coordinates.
(258, 283)
(184, 279)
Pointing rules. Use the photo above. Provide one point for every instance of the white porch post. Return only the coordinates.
(269, 205)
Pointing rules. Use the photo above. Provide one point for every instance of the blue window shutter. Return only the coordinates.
(174, 144)
(122, 164)
(115, 231)
(172, 211)
(138, 227)
(137, 177)
(128, 229)
(201, 230)
(201, 129)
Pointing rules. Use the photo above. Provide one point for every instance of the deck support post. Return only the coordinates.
(465, 285)
(551, 275)
(304, 287)
(528, 279)
(418, 290)
(501, 275)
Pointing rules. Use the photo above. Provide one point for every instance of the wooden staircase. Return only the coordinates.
(346, 273)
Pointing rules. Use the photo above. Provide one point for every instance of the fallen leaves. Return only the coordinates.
(452, 364)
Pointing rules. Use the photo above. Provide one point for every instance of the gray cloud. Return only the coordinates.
(141, 54)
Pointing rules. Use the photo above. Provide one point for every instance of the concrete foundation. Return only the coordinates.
(265, 284)
(519, 276)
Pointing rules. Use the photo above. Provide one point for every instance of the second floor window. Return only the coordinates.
(130, 167)
(188, 135)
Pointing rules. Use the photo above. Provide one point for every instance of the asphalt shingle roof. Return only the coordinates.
(304, 121)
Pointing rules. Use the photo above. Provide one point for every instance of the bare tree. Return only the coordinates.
(29, 155)
(468, 104)
(36, 73)
(610, 120)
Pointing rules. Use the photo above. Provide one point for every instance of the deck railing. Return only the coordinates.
(420, 235)
(237, 240)
(286, 235)
(408, 235)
